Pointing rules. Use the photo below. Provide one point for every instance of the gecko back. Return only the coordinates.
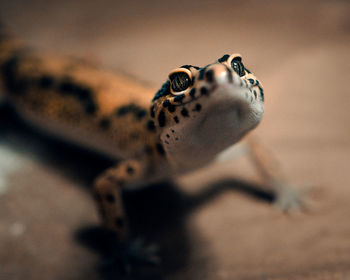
(75, 100)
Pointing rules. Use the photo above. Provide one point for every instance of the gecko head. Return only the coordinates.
(201, 111)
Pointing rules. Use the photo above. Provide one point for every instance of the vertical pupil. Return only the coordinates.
(238, 67)
(180, 82)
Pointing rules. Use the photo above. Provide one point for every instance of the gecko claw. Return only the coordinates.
(140, 253)
(134, 253)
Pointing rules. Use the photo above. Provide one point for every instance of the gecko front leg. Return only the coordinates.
(108, 192)
(108, 189)
(287, 197)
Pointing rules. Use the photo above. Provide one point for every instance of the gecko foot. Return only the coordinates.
(134, 253)
(290, 199)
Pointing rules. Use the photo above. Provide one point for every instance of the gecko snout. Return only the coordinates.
(220, 74)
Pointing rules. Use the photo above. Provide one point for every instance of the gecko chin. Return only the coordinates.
(227, 116)
(232, 107)
(223, 120)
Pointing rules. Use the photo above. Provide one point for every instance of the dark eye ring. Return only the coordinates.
(180, 81)
(238, 66)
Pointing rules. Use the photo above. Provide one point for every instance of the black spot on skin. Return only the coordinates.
(160, 149)
(251, 81)
(172, 130)
(119, 222)
(178, 98)
(176, 139)
(223, 58)
(193, 92)
(209, 75)
(171, 108)
(176, 119)
(137, 111)
(90, 108)
(168, 136)
(105, 123)
(255, 94)
(110, 198)
(46, 81)
(130, 170)
(161, 119)
(204, 91)
(193, 80)
(166, 103)
(123, 110)
(201, 73)
(247, 71)
(67, 86)
(261, 94)
(141, 114)
(83, 93)
(197, 108)
(9, 72)
(166, 142)
(152, 111)
(184, 112)
(151, 126)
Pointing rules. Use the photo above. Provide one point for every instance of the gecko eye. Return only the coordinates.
(238, 66)
(180, 81)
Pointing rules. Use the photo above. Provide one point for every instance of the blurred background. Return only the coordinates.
(300, 52)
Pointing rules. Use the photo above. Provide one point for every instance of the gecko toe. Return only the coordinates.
(293, 200)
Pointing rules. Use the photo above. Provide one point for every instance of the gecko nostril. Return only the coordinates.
(209, 76)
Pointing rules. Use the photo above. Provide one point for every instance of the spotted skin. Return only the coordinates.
(153, 136)
(108, 193)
